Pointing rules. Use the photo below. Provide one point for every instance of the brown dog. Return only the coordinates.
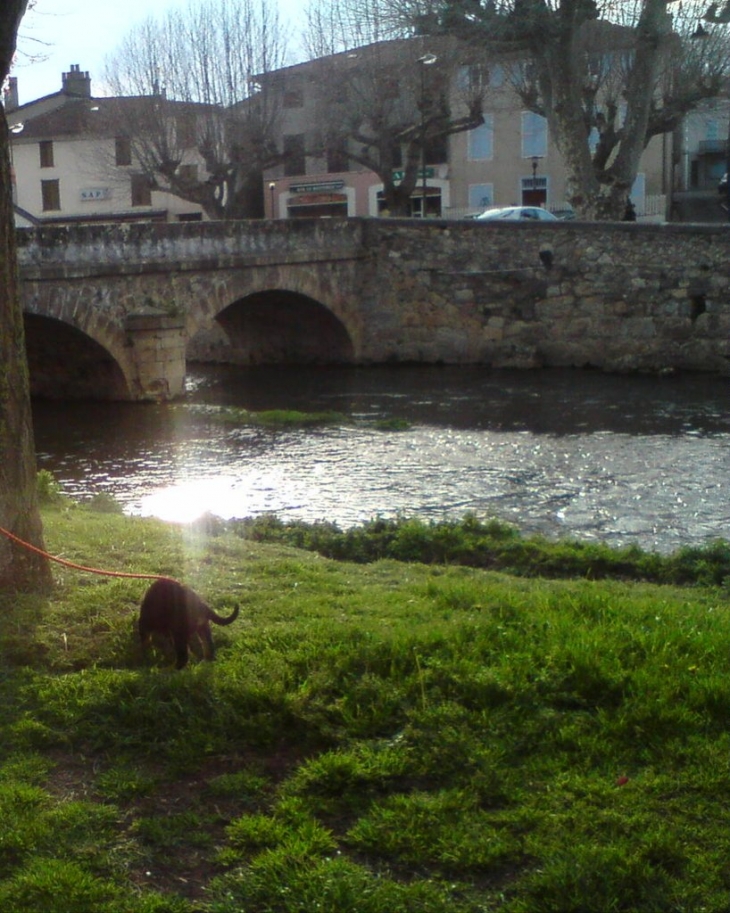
(172, 609)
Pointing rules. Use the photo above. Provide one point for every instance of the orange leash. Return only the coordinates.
(79, 567)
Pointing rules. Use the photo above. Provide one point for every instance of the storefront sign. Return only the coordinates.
(95, 193)
(322, 187)
(428, 173)
(312, 199)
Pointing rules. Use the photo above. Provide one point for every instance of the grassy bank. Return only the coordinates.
(373, 737)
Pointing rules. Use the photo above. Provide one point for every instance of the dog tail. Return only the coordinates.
(221, 619)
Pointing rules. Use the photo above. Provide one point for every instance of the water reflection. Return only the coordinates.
(619, 459)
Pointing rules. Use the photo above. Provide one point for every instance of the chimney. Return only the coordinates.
(10, 99)
(77, 82)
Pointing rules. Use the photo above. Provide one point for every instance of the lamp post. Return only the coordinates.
(15, 130)
(426, 61)
(272, 188)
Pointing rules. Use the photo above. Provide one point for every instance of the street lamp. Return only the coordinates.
(272, 188)
(16, 130)
(426, 61)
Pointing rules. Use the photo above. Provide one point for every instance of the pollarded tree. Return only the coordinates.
(198, 122)
(386, 100)
(608, 75)
(19, 568)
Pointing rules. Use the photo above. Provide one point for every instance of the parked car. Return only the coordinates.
(564, 213)
(518, 213)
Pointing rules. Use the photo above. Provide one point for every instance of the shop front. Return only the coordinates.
(325, 200)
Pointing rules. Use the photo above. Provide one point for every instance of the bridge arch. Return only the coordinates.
(64, 362)
(275, 326)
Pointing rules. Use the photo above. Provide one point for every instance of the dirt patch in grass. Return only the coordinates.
(174, 829)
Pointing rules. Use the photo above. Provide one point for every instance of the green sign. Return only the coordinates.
(423, 173)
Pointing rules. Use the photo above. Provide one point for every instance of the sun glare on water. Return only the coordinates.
(187, 501)
(232, 496)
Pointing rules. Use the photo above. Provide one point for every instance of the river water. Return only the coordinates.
(642, 460)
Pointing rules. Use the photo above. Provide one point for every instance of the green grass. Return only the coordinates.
(274, 419)
(494, 545)
(278, 418)
(374, 736)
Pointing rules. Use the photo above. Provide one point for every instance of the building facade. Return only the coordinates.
(510, 159)
(72, 163)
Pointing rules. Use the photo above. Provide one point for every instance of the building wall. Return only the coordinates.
(507, 172)
(702, 146)
(90, 186)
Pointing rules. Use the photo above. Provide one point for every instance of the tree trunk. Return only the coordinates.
(20, 569)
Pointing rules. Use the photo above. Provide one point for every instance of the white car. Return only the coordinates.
(518, 213)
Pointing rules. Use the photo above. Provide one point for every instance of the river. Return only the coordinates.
(622, 460)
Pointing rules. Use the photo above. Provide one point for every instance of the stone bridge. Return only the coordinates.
(114, 311)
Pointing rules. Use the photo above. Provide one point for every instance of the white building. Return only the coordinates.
(71, 163)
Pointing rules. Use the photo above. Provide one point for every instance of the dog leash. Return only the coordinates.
(78, 567)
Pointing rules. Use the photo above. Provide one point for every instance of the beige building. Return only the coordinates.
(71, 163)
(509, 160)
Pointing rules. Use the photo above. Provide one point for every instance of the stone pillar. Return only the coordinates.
(158, 345)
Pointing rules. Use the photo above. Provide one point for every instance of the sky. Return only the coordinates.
(58, 33)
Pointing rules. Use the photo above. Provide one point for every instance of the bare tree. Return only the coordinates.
(609, 75)
(201, 125)
(386, 100)
(19, 568)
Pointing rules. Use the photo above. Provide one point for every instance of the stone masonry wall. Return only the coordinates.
(617, 296)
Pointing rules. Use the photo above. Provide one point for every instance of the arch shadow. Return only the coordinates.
(66, 363)
(275, 327)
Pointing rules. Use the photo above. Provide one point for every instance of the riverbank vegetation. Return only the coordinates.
(493, 545)
(396, 731)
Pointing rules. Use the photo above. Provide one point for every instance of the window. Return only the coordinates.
(46, 152)
(712, 130)
(141, 192)
(534, 135)
(496, 77)
(186, 130)
(337, 159)
(51, 195)
(437, 150)
(294, 161)
(638, 191)
(122, 151)
(481, 140)
(472, 78)
(480, 196)
(293, 95)
(397, 153)
(188, 174)
(594, 138)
